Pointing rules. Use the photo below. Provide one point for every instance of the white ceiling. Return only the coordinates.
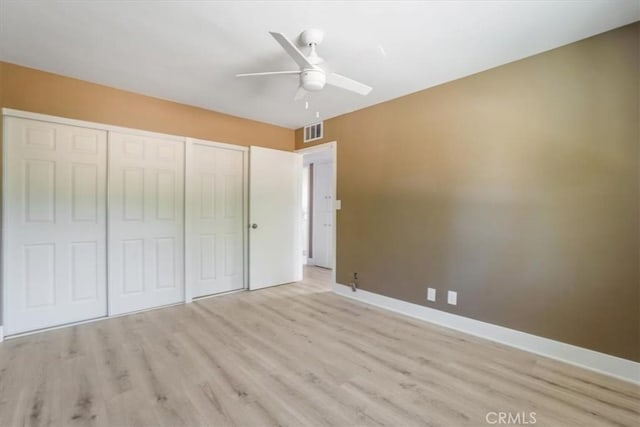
(189, 51)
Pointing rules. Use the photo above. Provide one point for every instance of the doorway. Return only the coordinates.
(319, 205)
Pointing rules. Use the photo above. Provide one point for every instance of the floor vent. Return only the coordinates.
(313, 132)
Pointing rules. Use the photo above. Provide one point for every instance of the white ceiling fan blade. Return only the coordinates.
(348, 84)
(300, 93)
(267, 73)
(292, 50)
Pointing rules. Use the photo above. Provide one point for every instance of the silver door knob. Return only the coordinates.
(254, 226)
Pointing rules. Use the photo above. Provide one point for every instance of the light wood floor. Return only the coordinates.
(291, 355)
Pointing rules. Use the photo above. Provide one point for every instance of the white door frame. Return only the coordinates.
(188, 214)
(319, 233)
(333, 146)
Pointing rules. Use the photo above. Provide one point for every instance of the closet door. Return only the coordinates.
(54, 255)
(216, 231)
(146, 222)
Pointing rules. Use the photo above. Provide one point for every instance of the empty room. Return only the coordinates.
(320, 213)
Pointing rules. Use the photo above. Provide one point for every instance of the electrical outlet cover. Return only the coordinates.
(452, 297)
(431, 294)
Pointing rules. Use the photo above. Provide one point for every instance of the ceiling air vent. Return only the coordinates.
(313, 132)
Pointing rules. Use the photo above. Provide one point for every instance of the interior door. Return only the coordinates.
(55, 224)
(216, 219)
(275, 237)
(146, 222)
(323, 214)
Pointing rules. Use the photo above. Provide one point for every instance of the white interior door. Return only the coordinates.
(215, 187)
(275, 238)
(146, 222)
(55, 224)
(322, 236)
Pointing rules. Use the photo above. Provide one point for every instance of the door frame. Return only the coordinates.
(333, 146)
(314, 223)
(188, 211)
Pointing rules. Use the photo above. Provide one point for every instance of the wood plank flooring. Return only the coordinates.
(291, 355)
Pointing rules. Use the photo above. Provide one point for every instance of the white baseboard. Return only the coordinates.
(623, 369)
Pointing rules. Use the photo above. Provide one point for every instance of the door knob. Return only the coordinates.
(254, 226)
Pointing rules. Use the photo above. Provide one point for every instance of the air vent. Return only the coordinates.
(313, 132)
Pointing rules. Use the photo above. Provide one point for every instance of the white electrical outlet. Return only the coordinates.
(431, 294)
(452, 297)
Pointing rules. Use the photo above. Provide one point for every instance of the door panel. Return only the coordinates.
(39, 187)
(84, 271)
(133, 190)
(40, 267)
(165, 197)
(216, 222)
(146, 205)
(165, 265)
(84, 193)
(275, 189)
(55, 224)
(133, 266)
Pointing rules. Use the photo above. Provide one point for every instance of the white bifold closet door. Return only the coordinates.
(54, 223)
(146, 222)
(216, 221)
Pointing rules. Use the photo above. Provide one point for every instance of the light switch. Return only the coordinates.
(452, 297)
(337, 204)
(431, 294)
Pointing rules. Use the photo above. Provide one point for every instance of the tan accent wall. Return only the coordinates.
(518, 187)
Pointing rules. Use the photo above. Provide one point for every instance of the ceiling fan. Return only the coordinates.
(312, 77)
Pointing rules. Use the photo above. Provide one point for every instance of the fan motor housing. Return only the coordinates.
(312, 80)
(312, 36)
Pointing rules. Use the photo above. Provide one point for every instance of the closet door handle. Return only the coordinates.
(254, 225)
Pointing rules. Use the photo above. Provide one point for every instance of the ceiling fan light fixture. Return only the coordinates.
(313, 80)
